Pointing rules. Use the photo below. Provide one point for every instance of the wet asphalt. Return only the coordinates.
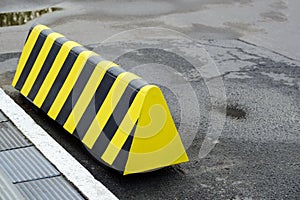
(257, 154)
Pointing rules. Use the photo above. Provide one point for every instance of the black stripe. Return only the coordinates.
(46, 67)
(86, 120)
(116, 117)
(122, 157)
(120, 111)
(81, 82)
(105, 86)
(100, 147)
(61, 77)
(96, 102)
(127, 145)
(65, 111)
(32, 57)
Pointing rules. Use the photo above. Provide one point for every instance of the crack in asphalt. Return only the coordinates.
(261, 64)
(10, 55)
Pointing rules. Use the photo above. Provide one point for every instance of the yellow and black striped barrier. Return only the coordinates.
(122, 120)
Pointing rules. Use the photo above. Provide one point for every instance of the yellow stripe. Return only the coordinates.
(39, 62)
(69, 83)
(27, 50)
(87, 94)
(125, 127)
(107, 108)
(53, 72)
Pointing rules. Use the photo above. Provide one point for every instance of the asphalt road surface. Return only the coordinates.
(257, 154)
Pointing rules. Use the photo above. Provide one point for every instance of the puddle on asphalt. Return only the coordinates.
(19, 18)
(235, 112)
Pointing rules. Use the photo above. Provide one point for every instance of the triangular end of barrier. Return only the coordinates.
(156, 142)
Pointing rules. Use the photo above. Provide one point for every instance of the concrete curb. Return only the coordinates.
(55, 153)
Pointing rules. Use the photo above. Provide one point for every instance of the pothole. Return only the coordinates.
(20, 18)
(235, 112)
